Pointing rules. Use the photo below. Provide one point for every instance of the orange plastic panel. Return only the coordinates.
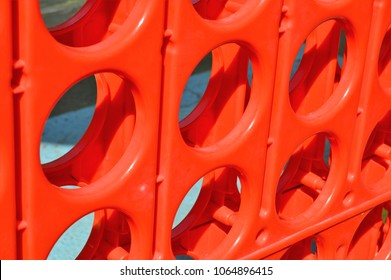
(325, 105)
(115, 162)
(289, 145)
(224, 140)
(8, 249)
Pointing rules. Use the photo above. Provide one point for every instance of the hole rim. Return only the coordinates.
(180, 235)
(212, 93)
(200, 6)
(291, 172)
(109, 85)
(343, 77)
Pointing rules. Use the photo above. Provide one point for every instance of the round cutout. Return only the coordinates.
(81, 23)
(318, 68)
(211, 217)
(221, 106)
(303, 179)
(101, 235)
(100, 143)
(372, 239)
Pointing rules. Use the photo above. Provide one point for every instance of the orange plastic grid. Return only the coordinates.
(291, 167)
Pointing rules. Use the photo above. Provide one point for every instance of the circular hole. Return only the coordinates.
(81, 23)
(214, 10)
(103, 140)
(318, 68)
(306, 249)
(55, 12)
(69, 120)
(211, 217)
(384, 66)
(375, 167)
(217, 110)
(372, 239)
(303, 179)
(195, 86)
(73, 240)
(101, 235)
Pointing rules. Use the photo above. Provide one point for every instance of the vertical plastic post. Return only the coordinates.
(8, 226)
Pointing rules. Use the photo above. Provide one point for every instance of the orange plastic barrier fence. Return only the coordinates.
(293, 163)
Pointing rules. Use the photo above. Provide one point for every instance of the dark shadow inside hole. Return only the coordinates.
(205, 64)
(183, 257)
(55, 12)
(67, 130)
(80, 95)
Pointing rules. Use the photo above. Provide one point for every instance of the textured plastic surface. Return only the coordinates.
(292, 164)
